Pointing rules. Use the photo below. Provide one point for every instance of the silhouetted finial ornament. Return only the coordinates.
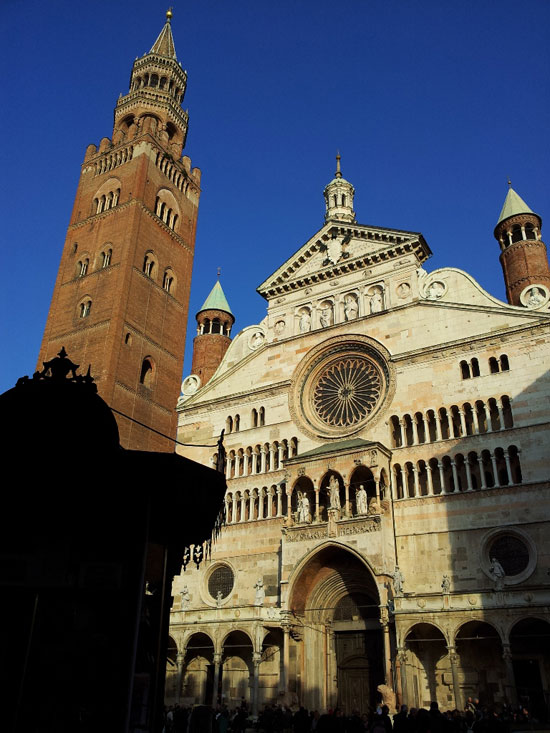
(510, 182)
(219, 271)
(169, 14)
(58, 369)
(338, 173)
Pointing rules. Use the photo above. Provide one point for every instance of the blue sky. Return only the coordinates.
(432, 105)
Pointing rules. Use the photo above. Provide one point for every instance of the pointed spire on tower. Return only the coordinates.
(216, 300)
(513, 205)
(339, 197)
(164, 45)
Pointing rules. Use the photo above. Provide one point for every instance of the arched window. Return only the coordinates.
(237, 423)
(106, 257)
(504, 363)
(493, 365)
(85, 308)
(148, 264)
(261, 416)
(83, 267)
(530, 231)
(168, 280)
(475, 367)
(216, 325)
(517, 234)
(465, 370)
(229, 425)
(146, 374)
(343, 199)
(254, 418)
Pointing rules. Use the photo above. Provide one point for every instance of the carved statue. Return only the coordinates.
(388, 697)
(303, 508)
(535, 298)
(185, 598)
(361, 502)
(219, 599)
(260, 593)
(498, 573)
(326, 315)
(334, 492)
(398, 581)
(446, 584)
(376, 301)
(350, 308)
(305, 321)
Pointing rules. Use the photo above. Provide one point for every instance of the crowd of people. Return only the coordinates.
(278, 718)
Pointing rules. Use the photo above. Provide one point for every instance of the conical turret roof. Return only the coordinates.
(216, 301)
(164, 45)
(513, 204)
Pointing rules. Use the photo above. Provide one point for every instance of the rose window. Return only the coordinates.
(347, 391)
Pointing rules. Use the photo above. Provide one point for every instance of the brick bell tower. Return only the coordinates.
(214, 323)
(523, 253)
(120, 301)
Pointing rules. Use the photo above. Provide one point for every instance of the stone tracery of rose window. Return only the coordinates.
(346, 391)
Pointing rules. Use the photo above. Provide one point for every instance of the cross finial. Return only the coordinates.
(219, 271)
(338, 173)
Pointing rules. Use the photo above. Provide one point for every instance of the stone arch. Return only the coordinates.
(301, 513)
(427, 663)
(323, 492)
(361, 476)
(237, 665)
(197, 667)
(530, 648)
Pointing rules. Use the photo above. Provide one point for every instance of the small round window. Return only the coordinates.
(511, 552)
(220, 582)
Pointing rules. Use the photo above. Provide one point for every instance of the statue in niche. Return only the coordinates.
(361, 502)
(303, 508)
(376, 302)
(435, 290)
(326, 315)
(398, 581)
(219, 599)
(535, 297)
(279, 327)
(350, 308)
(498, 573)
(446, 584)
(185, 598)
(256, 340)
(260, 593)
(334, 493)
(304, 323)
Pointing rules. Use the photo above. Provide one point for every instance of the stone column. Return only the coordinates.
(251, 507)
(228, 465)
(455, 475)
(263, 465)
(179, 674)
(286, 659)
(261, 497)
(454, 660)
(387, 651)
(245, 464)
(475, 418)
(226, 500)
(402, 657)
(254, 462)
(468, 472)
(414, 429)
(256, 660)
(500, 414)
(243, 507)
(347, 512)
(217, 663)
(405, 482)
(280, 451)
(508, 467)
(481, 472)
(511, 692)
(271, 457)
(317, 517)
(279, 500)
(437, 425)
(495, 472)
(487, 416)
(462, 421)
(442, 477)
(415, 478)
(401, 431)
(430, 480)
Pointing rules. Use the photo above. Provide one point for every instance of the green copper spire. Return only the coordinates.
(513, 204)
(216, 301)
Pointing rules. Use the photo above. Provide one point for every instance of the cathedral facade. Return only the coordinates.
(387, 511)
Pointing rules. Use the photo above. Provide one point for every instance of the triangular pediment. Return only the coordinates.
(339, 248)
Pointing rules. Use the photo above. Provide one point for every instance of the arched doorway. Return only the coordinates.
(530, 647)
(270, 668)
(337, 644)
(236, 669)
(198, 669)
(482, 670)
(426, 675)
